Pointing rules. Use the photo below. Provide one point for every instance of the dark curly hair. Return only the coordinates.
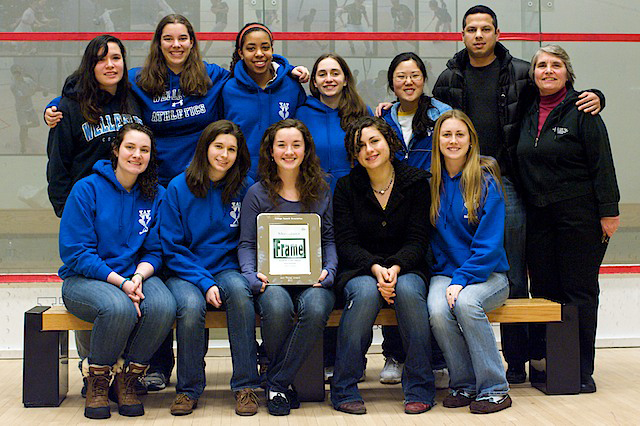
(311, 183)
(241, 36)
(352, 137)
(89, 95)
(147, 180)
(197, 174)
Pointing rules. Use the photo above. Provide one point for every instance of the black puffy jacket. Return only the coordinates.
(517, 92)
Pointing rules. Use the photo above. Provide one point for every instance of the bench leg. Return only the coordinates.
(45, 375)
(562, 374)
(309, 381)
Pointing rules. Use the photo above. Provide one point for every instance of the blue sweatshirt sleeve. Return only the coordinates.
(152, 248)
(329, 254)
(175, 246)
(53, 103)
(248, 236)
(487, 246)
(78, 241)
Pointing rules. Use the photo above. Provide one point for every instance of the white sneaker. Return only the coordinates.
(442, 378)
(328, 374)
(391, 373)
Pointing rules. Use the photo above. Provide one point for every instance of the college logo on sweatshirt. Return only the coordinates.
(108, 123)
(145, 218)
(235, 213)
(284, 110)
(177, 112)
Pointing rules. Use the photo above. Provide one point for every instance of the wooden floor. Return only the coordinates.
(617, 402)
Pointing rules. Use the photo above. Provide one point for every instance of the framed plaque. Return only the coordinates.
(289, 247)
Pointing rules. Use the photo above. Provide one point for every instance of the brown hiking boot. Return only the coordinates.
(183, 405)
(123, 389)
(246, 402)
(96, 406)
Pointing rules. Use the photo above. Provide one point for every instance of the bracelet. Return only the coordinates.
(124, 281)
(138, 273)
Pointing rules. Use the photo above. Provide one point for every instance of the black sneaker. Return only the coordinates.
(588, 386)
(278, 405)
(292, 396)
(516, 375)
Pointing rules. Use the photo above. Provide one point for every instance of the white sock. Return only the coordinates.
(273, 394)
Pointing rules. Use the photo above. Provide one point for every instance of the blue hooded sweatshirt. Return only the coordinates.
(104, 228)
(177, 120)
(254, 109)
(324, 124)
(419, 152)
(199, 236)
(469, 253)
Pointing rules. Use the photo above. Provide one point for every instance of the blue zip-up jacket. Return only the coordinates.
(199, 236)
(254, 109)
(324, 124)
(419, 152)
(177, 120)
(469, 253)
(104, 228)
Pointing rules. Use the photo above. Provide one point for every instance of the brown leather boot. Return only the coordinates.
(123, 389)
(96, 406)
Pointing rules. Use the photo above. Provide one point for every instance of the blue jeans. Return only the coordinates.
(288, 343)
(465, 334)
(515, 340)
(362, 304)
(117, 330)
(191, 334)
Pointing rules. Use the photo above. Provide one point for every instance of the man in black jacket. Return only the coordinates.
(494, 89)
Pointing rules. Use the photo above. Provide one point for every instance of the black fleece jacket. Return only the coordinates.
(571, 157)
(366, 234)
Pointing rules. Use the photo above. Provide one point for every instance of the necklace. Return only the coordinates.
(382, 191)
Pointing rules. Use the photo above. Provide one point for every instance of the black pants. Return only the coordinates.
(564, 253)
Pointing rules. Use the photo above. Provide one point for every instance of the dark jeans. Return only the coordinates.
(515, 337)
(564, 253)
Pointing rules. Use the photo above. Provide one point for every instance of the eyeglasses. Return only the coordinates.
(400, 78)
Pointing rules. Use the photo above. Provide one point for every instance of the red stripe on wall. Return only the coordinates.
(338, 36)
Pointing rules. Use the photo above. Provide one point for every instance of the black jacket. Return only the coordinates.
(366, 234)
(75, 145)
(571, 158)
(516, 94)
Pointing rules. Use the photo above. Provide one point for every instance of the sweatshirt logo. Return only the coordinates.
(560, 130)
(145, 218)
(284, 110)
(235, 213)
(108, 123)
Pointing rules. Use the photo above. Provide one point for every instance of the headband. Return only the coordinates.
(250, 27)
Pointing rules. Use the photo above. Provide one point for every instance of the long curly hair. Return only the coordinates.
(147, 180)
(89, 95)
(240, 38)
(352, 137)
(153, 77)
(197, 174)
(311, 183)
(421, 123)
(351, 105)
(475, 173)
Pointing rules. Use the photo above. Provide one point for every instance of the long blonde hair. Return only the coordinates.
(477, 169)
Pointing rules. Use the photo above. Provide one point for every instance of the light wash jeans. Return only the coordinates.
(191, 334)
(362, 304)
(116, 327)
(288, 343)
(466, 337)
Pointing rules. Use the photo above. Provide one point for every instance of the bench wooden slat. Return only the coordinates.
(514, 310)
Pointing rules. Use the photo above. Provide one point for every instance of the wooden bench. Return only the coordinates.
(46, 352)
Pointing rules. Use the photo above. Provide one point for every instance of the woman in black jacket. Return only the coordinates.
(570, 187)
(381, 229)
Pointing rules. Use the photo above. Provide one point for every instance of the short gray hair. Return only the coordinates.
(555, 50)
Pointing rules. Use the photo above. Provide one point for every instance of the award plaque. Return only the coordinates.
(289, 247)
